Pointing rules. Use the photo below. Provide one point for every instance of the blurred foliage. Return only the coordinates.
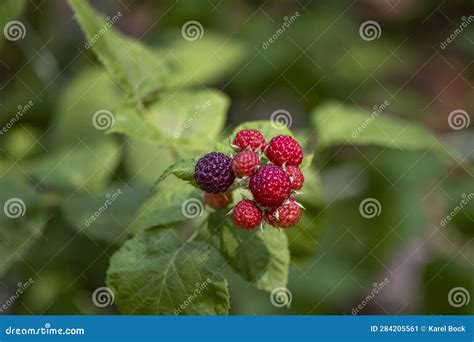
(174, 99)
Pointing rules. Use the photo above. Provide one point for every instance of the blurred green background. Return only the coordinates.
(63, 168)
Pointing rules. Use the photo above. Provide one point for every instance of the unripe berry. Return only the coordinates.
(220, 200)
(296, 177)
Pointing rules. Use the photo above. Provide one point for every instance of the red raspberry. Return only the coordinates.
(296, 177)
(270, 185)
(245, 163)
(247, 214)
(283, 149)
(220, 200)
(285, 216)
(250, 139)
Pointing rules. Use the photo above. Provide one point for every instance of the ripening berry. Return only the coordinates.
(284, 150)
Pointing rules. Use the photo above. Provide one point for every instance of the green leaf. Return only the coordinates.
(173, 202)
(138, 69)
(312, 192)
(305, 237)
(145, 161)
(83, 167)
(188, 119)
(260, 258)
(338, 124)
(217, 56)
(183, 169)
(157, 273)
(106, 216)
(308, 159)
(129, 121)
(89, 91)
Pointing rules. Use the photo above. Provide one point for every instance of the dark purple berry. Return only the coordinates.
(213, 172)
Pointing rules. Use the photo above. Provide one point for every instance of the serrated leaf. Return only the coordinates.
(82, 167)
(261, 259)
(173, 202)
(158, 273)
(105, 216)
(188, 119)
(338, 124)
(137, 68)
(183, 169)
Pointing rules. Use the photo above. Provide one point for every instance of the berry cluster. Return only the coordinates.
(273, 184)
